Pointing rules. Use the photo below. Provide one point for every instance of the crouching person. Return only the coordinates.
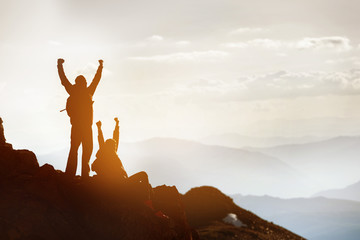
(110, 169)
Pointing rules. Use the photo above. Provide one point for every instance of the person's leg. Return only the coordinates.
(74, 146)
(87, 145)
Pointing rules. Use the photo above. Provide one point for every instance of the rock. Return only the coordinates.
(206, 207)
(17, 162)
(42, 203)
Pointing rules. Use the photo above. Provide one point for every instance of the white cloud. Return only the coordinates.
(155, 38)
(211, 55)
(235, 45)
(247, 30)
(266, 43)
(182, 43)
(335, 42)
(90, 70)
(281, 84)
(350, 60)
(258, 42)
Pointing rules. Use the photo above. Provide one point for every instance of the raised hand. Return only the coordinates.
(60, 61)
(101, 62)
(98, 124)
(116, 120)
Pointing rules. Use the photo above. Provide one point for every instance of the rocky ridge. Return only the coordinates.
(39, 203)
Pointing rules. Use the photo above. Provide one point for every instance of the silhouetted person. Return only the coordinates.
(79, 107)
(2, 136)
(108, 165)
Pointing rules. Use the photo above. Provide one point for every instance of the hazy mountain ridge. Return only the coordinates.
(188, 163)
(324, 163)
(351, 192)
(294, 170)
(314, 218)
(235, 140)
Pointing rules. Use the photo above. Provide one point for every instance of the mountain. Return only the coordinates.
(207, 209)
(187, 164)
(351, 192)
(314, 218)
(326, 164)
(43, 203)
(235, 140)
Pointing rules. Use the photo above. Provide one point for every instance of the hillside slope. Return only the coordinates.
(208, 209)
(42, 203)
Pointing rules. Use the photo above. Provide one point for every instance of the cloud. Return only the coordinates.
(350, 60)
(182, 43)
(235, 45)
(258, 42)
(276, 85)
(155, 38)
(335, 42)
(266, 43)
(211, 55)
(91, 68)
(245, 30)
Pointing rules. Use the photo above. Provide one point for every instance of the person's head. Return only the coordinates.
(80, 81)
(110, 145)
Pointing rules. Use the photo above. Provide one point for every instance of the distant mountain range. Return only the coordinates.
(351, 192)
(235, 140)
(187, 164)
(313, 218)
(328, 164)
(282, 171)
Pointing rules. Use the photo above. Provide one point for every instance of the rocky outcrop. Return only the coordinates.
(216, 216)
(39, 203)
(42, 203)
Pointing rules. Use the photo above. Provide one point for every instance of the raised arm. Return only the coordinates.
(96, 79)
(100, 135)
(64, 81)
(116, 133)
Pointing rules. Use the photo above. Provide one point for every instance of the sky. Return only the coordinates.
(182, 69)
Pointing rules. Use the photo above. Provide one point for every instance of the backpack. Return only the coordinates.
(76, 103)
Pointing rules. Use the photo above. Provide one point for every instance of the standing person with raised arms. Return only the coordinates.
(79, 107)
